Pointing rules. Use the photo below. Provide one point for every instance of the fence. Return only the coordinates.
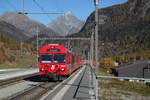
(96, 78)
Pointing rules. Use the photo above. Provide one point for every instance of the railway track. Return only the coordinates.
(35, 92)
(29, 87)
(10, 81)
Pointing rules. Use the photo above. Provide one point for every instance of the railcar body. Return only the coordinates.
(55, 60)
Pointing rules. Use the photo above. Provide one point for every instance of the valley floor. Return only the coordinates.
(123, 90)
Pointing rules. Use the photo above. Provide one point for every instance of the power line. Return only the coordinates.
(38, 13)
(38, 5)
(10, 4)
(42, 9)
(61, 38)
(57, 4)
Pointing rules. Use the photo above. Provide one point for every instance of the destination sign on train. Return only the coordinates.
(53, 50)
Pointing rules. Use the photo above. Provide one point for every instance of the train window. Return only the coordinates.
(46, 58)
(59, 58)
(53, 50)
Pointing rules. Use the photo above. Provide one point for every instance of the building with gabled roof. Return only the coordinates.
(139, 69)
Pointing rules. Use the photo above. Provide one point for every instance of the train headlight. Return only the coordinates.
(52, 67)
(62, 69)
(42, 69)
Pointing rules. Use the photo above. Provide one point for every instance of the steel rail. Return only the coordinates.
(35, 92)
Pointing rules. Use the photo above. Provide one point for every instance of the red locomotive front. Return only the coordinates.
(54, 60)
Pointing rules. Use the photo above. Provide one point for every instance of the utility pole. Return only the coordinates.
(92, 49)
(21, 44)
(96, 2)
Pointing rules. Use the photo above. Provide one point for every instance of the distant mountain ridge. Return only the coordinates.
(66, 24)
(26, 24)
(12, 31)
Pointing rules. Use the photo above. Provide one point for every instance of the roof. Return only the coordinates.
(140, 69)
(53, 48)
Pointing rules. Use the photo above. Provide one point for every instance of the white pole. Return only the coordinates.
(96, 2)
(37, 44)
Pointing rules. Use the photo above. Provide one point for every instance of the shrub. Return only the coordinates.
(107, 63)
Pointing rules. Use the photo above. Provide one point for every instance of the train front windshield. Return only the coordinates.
(46, 58)
(59, 58)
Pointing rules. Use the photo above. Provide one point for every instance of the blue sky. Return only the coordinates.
(80, 8)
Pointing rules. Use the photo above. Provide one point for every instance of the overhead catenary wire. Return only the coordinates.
(38, 13)
(58, 7)
(42, 9)
(61, 38)
(11, 5)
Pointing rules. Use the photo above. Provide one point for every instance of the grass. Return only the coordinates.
(105, 72)
(111, 88)
(140, 88)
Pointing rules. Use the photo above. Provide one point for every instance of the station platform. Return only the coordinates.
(76, 87)
(7, 74)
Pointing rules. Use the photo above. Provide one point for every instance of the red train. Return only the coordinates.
(55, 61)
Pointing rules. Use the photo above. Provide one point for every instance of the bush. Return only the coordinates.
(107, 63)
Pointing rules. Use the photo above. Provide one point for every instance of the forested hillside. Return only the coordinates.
(10, 49)
(123, 29)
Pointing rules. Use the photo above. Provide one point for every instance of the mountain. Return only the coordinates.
(66, 24)
(123, 28)
(12, 31)
(26, 24)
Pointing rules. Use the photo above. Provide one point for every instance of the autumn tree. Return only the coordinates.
(3, 56)
(107, 63)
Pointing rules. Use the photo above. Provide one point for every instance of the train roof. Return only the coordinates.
(53, 44)
(53, 48)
